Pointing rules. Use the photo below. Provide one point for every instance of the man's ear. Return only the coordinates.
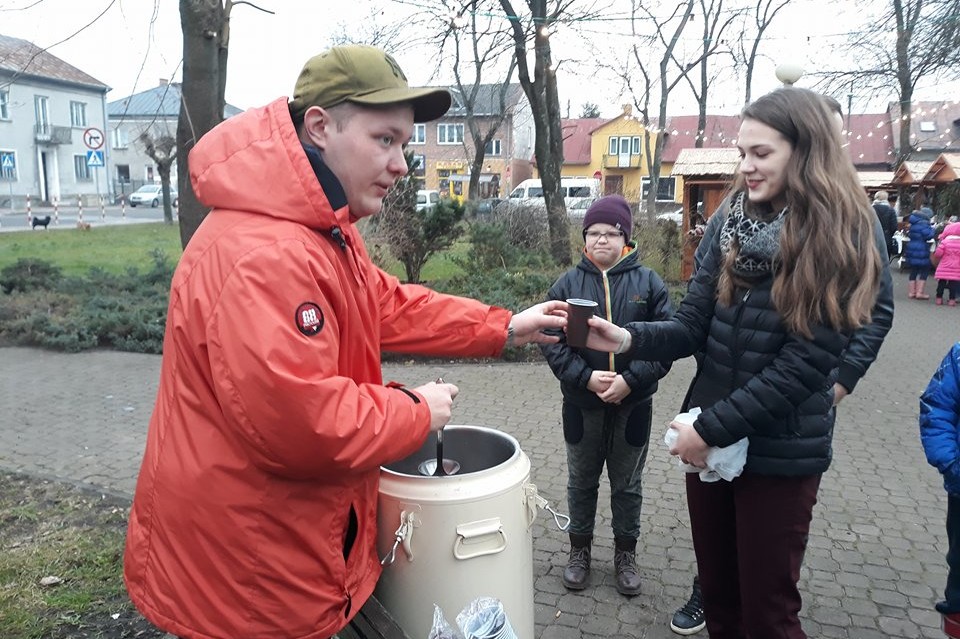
(317, 125)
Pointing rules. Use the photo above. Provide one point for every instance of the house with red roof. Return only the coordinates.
(52, 127)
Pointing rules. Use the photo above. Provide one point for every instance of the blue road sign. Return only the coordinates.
(94, 158)
(8, 161)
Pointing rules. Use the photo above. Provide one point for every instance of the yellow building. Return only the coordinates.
(618, 150)
(612, 150)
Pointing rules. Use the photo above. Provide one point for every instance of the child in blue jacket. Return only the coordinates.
(940, 434)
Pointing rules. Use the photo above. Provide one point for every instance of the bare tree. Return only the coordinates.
(751, 36)
(714, 25)
(163, 151)
(540, 88)
(665, 43)
(484, 105)
(927, 48)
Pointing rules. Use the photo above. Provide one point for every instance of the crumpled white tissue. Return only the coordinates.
(722, 463)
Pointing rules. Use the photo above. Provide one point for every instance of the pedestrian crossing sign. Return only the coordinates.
(94, 158)
(7, 161)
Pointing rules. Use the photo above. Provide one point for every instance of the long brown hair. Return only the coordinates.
(827, 270)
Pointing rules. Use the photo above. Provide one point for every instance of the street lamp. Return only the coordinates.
(789, 73)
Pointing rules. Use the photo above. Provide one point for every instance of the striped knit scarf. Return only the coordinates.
(758, 241)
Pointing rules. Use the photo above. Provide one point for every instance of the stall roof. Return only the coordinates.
(707, 162)
(945, 168)
(911, 172)
(875, 179)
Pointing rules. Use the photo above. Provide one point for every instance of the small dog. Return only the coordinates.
(41, 221)
(84, 226)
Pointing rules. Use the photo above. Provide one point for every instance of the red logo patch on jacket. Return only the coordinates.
(309, 319)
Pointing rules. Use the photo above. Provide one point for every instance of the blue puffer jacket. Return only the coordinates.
(940, 420)
(917, 251)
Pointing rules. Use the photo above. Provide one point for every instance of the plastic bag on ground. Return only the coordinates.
(722, 463)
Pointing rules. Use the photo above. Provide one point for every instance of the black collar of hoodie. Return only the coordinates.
(331, 188)
(328, 181)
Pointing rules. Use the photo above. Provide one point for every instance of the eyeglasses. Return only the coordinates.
(593, 236)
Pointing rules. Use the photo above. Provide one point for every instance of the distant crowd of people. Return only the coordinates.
(929, 244)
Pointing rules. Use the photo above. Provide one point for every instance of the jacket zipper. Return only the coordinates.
(608, 308)
(736, 335)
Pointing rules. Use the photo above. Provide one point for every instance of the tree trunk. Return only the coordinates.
(201, 105)
(544, 100)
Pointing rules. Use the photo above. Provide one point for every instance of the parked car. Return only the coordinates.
(484, 208)
(673, 217)
(578, 209)
(152, 195)
(426, 199)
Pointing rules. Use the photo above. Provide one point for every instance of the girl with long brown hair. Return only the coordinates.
(794, 271)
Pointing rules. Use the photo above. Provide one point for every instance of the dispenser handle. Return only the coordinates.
(402, 536)
(472, 534)
(534, 501)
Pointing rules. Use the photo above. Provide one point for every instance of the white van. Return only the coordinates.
(575, 189)
(426, 199)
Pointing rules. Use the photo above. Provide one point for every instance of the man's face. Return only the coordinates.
(364, 149)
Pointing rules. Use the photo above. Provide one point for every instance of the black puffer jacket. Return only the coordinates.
(628, 292)
(756, 379)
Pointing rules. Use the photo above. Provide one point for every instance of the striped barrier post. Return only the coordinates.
(79, 209)
(56, 211)
(103, 210)
(29, 212)
(123, 208)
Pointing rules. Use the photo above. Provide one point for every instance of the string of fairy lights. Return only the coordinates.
(923, 115)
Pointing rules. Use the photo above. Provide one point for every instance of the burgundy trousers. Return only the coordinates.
(749, 536)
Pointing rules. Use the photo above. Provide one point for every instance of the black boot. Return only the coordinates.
(577, 572)
(689, 619)
(625, 562)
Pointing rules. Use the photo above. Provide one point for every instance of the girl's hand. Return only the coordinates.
(690, 447)
(606, 337)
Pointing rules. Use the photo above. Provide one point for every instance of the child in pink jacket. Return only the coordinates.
(947, 259)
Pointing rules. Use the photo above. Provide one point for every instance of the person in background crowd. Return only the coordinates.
(888, 219)
(607, 400)
(255, 507)
(917, 252)
(947, 260)
(795, 269)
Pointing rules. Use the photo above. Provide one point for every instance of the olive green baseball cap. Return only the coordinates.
(363, 75)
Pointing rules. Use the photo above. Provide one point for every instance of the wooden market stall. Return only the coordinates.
(706, 175)
(909, 178)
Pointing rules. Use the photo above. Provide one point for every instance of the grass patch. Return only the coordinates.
(51, 529)
(111, 248)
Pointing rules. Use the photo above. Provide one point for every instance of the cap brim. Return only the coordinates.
(428, 104)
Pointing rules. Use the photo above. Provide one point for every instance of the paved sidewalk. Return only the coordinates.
(875, 562)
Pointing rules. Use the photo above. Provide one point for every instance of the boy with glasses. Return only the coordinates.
(607, 399)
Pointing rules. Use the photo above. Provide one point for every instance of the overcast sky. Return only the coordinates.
(134, 43)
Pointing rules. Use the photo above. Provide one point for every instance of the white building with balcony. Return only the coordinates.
(51, 115)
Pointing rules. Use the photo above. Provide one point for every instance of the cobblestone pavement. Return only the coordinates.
(875, 563)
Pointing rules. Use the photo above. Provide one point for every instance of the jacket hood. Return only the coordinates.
(918, 216)
(951, 229)
(254, 162)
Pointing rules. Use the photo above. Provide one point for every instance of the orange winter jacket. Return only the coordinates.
(255, 507)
